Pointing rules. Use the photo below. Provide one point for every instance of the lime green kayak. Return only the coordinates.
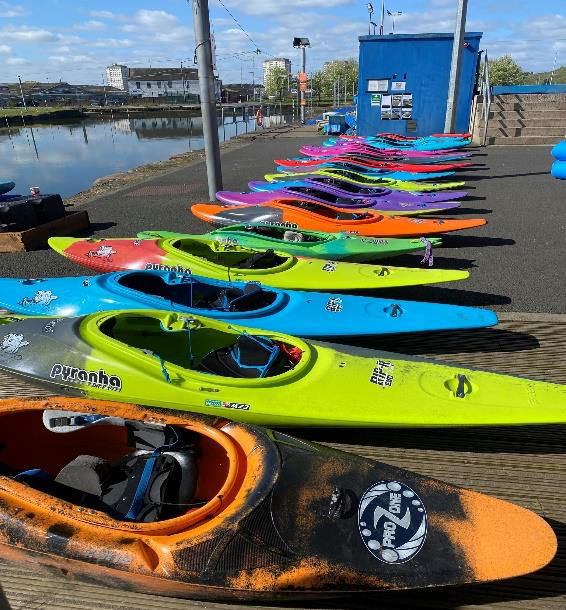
(225, 261)
(192, 363)
(365, 180)
(314, 244)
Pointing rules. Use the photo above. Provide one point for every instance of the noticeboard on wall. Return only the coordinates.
(379, 85)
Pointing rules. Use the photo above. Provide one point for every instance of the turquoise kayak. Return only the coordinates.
(308, 314)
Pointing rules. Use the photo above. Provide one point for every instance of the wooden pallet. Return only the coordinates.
(36, 237)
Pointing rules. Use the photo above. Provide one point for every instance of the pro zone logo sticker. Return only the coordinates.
(392, 521)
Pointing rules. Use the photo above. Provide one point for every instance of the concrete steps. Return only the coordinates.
(524, 119)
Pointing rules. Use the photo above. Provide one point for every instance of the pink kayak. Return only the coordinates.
(342, 149)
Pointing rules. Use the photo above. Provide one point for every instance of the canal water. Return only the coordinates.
(67, 158)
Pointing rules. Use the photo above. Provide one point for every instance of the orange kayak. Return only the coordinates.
(195, 506)
(323, 217)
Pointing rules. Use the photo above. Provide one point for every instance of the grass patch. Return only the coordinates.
(30, 111)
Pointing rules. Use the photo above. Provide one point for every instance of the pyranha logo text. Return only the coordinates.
(96, 379)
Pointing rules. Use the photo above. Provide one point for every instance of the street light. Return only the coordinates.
(393, 15)
(370, 11)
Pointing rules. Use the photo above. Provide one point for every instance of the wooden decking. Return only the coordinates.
(525, 465)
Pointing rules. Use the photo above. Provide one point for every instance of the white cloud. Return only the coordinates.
(107, 15)
(16, 61)
(113, 43)
(12, 10)
(75, 59)
(90, 26)
(4, 48)
(160, 26)
(274, 7)
(26, 34)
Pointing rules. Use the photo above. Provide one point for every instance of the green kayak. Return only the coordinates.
(314, 244)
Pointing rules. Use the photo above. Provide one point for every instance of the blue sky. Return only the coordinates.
(73, 40)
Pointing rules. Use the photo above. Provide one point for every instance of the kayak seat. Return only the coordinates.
(279, 233)
(251, 357)
(261, 260)
(142, 486)
(293, 236)
(247, 299)
(350, 216)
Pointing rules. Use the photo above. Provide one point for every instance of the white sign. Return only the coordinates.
(378, 85)
(398, 86)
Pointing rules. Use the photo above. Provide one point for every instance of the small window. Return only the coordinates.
(159, 84)
(170, 84)
(149, 85)
(138, 85)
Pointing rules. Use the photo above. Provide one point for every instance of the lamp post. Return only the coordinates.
(302, 43)
(370, 11)
(382, 17)
(393, 15)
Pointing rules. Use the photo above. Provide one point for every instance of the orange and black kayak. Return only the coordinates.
(303, 214)
(195, 506)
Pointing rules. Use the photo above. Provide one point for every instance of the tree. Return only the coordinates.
(505, 71)
(342, 71)
(276, 81)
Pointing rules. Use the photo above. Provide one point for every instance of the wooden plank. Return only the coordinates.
(34, 238)
(524, 465)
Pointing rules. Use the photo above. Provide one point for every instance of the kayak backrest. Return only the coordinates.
(251, 357)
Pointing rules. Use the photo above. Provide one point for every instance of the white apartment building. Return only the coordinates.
(276, 62)
(158, 82)
(117, 76)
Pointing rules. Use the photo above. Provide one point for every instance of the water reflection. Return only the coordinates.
(67, 158)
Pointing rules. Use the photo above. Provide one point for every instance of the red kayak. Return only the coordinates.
(367, 162)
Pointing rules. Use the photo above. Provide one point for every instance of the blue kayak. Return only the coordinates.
(6, 187)
(309, 314)
(368, 171)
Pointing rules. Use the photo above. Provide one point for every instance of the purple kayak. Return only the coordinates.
(409, 206)
(331, 189)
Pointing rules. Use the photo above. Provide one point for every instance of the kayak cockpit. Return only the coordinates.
(193, 345)
(190, 292)
(279, 233)
(323, 210)
(127, 469)
(228, 255)
(348, 187)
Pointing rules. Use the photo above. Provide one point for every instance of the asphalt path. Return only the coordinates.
(516, 262)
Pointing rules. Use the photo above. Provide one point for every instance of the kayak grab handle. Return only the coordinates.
(461, 389)
(394, 310)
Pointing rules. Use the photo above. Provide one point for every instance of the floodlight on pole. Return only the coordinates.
(370, 11)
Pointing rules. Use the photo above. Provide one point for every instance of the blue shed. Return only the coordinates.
(403, 83)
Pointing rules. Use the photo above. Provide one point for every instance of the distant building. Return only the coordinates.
(241, 93)
(276, 62)
(117, 76)
(48, 94)
(166, 82)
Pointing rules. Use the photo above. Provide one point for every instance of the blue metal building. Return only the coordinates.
(403, 82)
